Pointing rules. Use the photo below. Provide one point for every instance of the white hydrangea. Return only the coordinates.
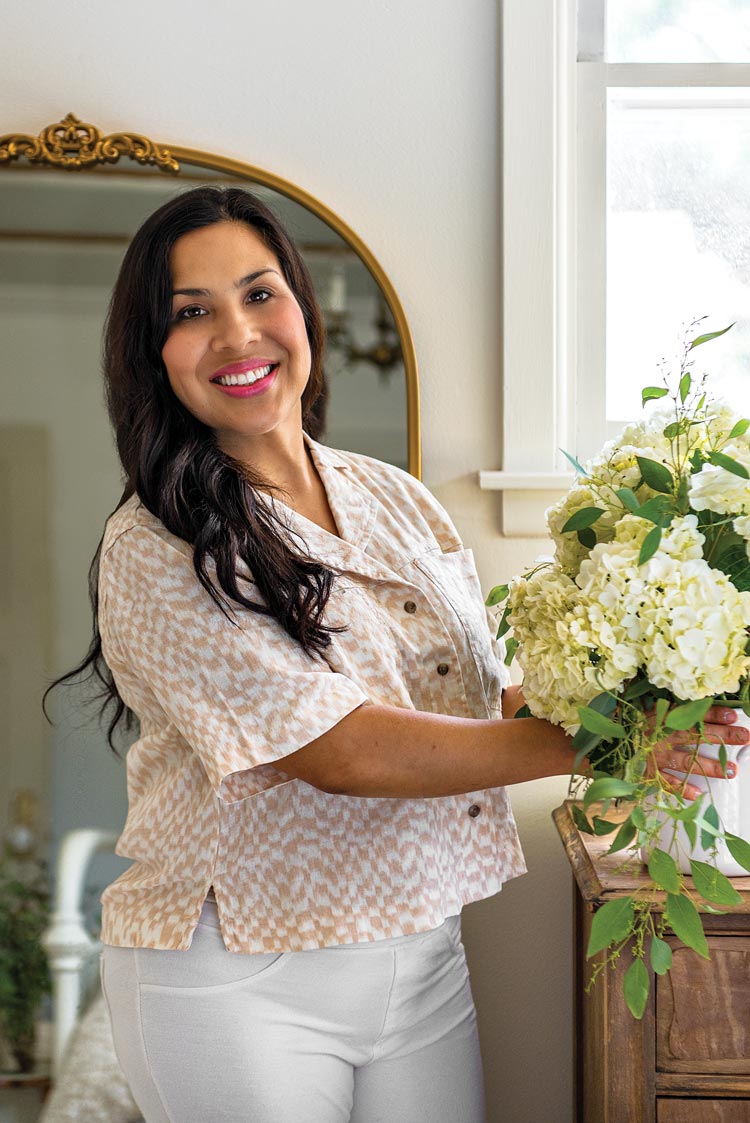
(559, 655)
(716, 489)
(569, 553)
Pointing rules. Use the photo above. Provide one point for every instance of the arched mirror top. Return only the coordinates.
(138, 174)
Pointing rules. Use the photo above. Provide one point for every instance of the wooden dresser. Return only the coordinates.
(688, 1060)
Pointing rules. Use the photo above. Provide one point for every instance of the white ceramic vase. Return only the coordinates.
(732, 801)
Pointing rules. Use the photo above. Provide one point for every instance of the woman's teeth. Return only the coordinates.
(246, 378)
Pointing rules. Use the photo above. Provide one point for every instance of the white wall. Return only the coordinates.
(389, 113)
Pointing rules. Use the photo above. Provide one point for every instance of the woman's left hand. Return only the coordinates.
(719, 728)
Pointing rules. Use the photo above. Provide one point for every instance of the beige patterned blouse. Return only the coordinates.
(220, 706)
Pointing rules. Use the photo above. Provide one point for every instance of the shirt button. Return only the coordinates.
(442, 668)
(410, 607)
(475, 810)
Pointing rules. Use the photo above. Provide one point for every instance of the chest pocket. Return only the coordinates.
(455, 575)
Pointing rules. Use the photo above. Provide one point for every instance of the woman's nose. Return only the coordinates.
(235, 329)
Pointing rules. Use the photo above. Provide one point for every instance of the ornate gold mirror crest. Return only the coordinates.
(73, 144)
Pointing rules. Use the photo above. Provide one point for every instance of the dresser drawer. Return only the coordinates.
(702, 1111)
(703, 1013)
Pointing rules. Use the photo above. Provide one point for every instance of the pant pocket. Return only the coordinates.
(205, 967)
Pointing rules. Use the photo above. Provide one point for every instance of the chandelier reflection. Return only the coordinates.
(384, 352)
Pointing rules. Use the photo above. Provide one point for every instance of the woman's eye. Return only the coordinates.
(190, 313)
(259, 296)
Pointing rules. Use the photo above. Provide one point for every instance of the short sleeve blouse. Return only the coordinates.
(222, 701)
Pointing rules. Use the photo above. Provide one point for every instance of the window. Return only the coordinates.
(626, 214)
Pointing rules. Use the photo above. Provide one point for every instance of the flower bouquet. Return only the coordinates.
(634, 630)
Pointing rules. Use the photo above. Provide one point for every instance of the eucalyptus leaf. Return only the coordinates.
(692, 833)
(496, 595)
(624, 836)
(628, 498)
(663, 870)
(685, 384)
(740, 428)
(656, 475)
(598, 723)
(603, 703)
(729, 464)
(710, 826)
(709, 335)
(636, 689)
(739, 849)
(587, 538)
(661, 956)
(684, 920)
(523, 712)
(511, 647)
(581, 821)
(587, 516)
(607, 788)
(651, 544)
(688, 714)
(580, 470)
(504, 625)
(712, 885)
(658, 510)
(635, 987)
(651, 393)
(611, 924)
(672, 430)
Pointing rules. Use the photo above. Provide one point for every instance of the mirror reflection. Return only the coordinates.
(62, 237)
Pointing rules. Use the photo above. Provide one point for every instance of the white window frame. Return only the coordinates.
(554, 90)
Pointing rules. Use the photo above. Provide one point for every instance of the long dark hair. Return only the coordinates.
(170, 458)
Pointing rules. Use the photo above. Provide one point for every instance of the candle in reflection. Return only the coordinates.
(337, 290)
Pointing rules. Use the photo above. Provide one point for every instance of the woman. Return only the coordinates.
(318, 784)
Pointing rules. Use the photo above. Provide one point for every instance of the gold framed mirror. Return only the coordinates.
(70, 198)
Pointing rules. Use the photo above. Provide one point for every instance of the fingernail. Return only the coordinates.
(731, 770)
(730, 715)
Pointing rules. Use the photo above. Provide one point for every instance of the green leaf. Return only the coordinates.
(723, 758)
(523, 712)
(697, 460)
(672, 430)
(628, 498)
(624, 836)
(638, 815)
(739, 849)
(580, 471)
(651, 393)
(729, 464)
(498, 594)
(635, 987)
(504, 625)
(656, 475)
(598, 723)
(587, 538)
(682, 917)
(661, 956)
(511, 647)
(712, 885)
(688, 714)
(710, 826)
(636, 689)
(736, 564)
(740, 428)
(692, 833)
(611, 924)
(585, 742)
(651, 544)
(662, 709)
(685, 384)
(581, 821)
(664, 872)
(607, 788)
(710, 335)
(604, 703)
(603, 826)
(658, 510)
(587, 516)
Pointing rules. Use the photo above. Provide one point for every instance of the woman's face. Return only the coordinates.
(237, 353)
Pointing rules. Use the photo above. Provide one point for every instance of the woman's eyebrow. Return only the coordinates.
(238, 284)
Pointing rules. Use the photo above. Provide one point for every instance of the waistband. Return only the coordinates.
(210, 918)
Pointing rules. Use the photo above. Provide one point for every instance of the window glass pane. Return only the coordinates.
(678, 31)
(678, 238)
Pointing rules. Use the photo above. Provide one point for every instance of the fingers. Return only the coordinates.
(681, 761)
(688, 791)
(713, 734)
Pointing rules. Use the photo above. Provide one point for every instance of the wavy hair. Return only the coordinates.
(171, 459)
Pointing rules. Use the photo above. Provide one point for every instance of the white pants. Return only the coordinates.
(381, 1032)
